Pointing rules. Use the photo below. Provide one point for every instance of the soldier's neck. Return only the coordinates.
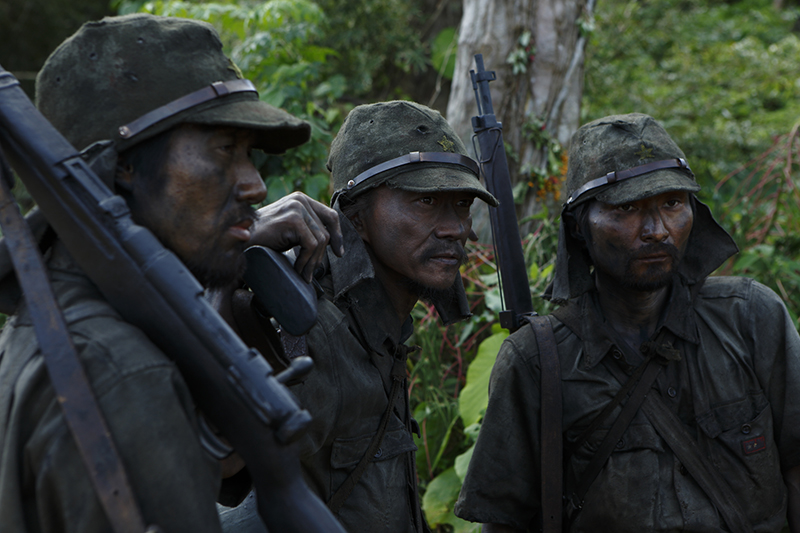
(633, 314)
(400, 292)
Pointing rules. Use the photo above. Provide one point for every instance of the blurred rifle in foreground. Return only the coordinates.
(149, 286)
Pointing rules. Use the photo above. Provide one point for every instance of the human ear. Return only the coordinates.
(358, 223)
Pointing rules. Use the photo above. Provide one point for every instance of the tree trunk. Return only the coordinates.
(539, 104)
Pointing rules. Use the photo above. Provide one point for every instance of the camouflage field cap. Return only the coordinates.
(129, 78)
(624, 158)
(404, 144)
(620, 159)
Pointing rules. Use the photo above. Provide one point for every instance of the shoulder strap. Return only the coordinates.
(649, 370)
(551, 431)
(344, 490)
(72, 388)
(672, 430)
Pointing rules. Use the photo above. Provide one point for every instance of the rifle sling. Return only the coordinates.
(685, 448)
(344, 490)
(651, 368)
(71, 386)
(551, 429)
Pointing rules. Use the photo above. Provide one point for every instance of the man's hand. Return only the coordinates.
(297, 220)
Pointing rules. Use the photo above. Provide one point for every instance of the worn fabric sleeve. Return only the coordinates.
(151, 418)
(776, 349)
(502, 483)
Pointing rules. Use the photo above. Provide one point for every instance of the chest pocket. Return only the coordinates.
(742, 447)
(347, 453)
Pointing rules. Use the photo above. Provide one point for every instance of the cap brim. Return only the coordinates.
(645, 186)
(441, 179)
(277, 130)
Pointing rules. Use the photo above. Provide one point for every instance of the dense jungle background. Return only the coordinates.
(721, 76)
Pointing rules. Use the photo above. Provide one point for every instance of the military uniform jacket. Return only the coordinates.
(354, 345)
(44, 486)
(736, 389)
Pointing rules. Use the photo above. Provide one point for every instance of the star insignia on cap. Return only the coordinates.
(447, 144)
(644, 152)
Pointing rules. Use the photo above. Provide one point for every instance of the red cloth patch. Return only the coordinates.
(755, 445)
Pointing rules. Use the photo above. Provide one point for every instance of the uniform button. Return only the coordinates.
(746, 428)
(672, 392)
(378, 453)
(620, 444)
(682, 470)
(616, 354)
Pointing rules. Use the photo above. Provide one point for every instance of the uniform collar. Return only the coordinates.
(583, 316)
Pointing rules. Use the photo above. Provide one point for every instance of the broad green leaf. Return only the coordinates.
(439, 500)
(440, 497)
(462, 463)
(474, 398)
(533, 273)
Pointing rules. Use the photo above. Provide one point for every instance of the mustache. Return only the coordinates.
(454, 248)
(658, 248)
(244, 212)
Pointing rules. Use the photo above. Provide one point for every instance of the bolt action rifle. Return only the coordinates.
(517, 293)
(149, 286)
(513, 276)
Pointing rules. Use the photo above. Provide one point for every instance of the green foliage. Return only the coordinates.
(374, 39)
(722, 77)
(523, 55)
(763, 215)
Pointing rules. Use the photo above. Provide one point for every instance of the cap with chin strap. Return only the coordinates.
(405, 145)
(621, 159)
(129, 78)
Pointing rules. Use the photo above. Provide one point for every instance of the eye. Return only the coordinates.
(227, 148)
(428, 200)
(673, 202)
(627, 208)
(466, 202)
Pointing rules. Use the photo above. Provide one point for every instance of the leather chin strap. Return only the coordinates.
(413, 158)
(215, 90)
(615, 176)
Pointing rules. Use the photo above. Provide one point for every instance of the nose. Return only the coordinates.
(250, 187)
(654, 229)
(450, 225)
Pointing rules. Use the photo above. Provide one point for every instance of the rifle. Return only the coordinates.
(515, 291)
(149, 286)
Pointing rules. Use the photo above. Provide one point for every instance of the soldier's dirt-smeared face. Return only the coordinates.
(418, 237)
(639, 245)
(204, 210)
